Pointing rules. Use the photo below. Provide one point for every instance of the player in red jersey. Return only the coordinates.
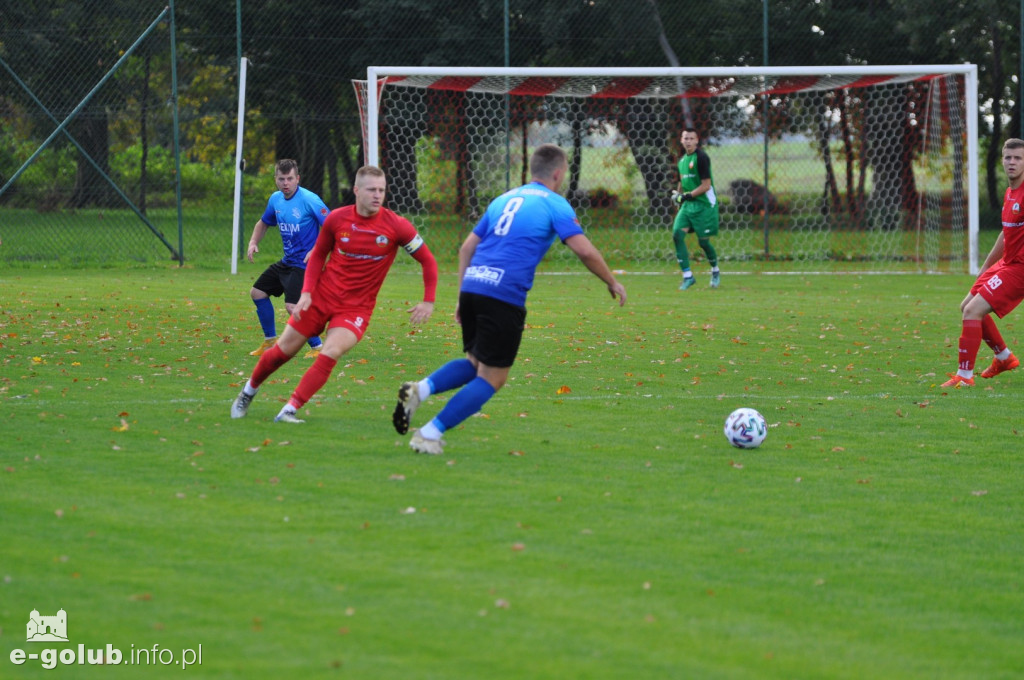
(1000, 288)
(346, 269)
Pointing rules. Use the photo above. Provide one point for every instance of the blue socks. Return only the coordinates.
(455, 373)
(265, 313)
(465, 403)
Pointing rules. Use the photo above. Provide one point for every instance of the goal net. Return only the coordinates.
(830, 168)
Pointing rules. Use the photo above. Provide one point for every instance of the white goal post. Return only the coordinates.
(859, 167)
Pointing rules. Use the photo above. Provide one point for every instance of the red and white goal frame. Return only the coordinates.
(876, 165)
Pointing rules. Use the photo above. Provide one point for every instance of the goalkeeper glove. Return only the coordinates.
(681, 198)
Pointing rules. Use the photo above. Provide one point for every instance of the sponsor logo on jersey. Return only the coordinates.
(485, 274)
(360, 256)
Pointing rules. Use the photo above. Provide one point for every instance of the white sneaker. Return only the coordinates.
(408, 402)
(287, 417)
(240, 406)
(419, 444)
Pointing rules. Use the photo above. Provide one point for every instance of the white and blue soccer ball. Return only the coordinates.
(745, 428)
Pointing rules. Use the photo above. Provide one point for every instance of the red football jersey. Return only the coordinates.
(361, 251)
(1013, 225)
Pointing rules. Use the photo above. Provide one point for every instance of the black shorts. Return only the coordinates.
(280, 278)
(491, 329)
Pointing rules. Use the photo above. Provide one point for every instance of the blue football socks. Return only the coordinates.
(455, 373)
(265, 313)
(465, 403)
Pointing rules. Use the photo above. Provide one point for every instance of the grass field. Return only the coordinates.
(592, 523)
(118, 240)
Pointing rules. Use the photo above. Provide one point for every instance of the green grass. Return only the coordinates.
(117, 239)
(605, 532)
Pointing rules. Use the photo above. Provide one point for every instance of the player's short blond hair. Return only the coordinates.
(1013, 143)
(546, 159)
(369, 171)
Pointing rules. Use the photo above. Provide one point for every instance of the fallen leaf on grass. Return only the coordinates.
(564, 389)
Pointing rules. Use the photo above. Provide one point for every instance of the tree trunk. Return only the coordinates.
(576, 160)
(646, 127)
(144, 136)
(886, 156)
(398, 159)
(831, 186)
(91, 189)
(994, 141)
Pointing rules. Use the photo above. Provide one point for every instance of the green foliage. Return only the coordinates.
(45, 183)
(593, 522)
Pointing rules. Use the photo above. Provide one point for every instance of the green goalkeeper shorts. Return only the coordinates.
(703, 222)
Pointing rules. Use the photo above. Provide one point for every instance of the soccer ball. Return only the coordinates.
(745, 428)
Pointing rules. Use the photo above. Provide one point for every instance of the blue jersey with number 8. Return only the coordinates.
(515, 233)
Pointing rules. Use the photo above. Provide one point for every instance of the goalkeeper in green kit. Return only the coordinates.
(698, 208)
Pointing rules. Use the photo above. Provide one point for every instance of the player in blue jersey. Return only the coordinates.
(298, 214)
(497, 262)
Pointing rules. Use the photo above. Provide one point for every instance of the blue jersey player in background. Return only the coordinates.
(497, 263)
(298, 214)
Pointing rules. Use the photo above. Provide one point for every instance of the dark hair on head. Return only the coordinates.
(545, 160)
(286, 165)
(690, 128)
(1013, 143)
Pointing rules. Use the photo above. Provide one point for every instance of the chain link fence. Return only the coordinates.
(103, 106)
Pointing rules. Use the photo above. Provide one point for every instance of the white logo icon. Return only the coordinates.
(47, 628)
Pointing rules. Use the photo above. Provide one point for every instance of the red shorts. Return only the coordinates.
(1001, 286)
(320, 316)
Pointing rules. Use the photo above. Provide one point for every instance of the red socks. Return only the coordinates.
(270, 361)
(970, 341)
(991, 335)
(315, 377)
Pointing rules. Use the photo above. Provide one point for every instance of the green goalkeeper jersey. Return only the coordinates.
(694, 168)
